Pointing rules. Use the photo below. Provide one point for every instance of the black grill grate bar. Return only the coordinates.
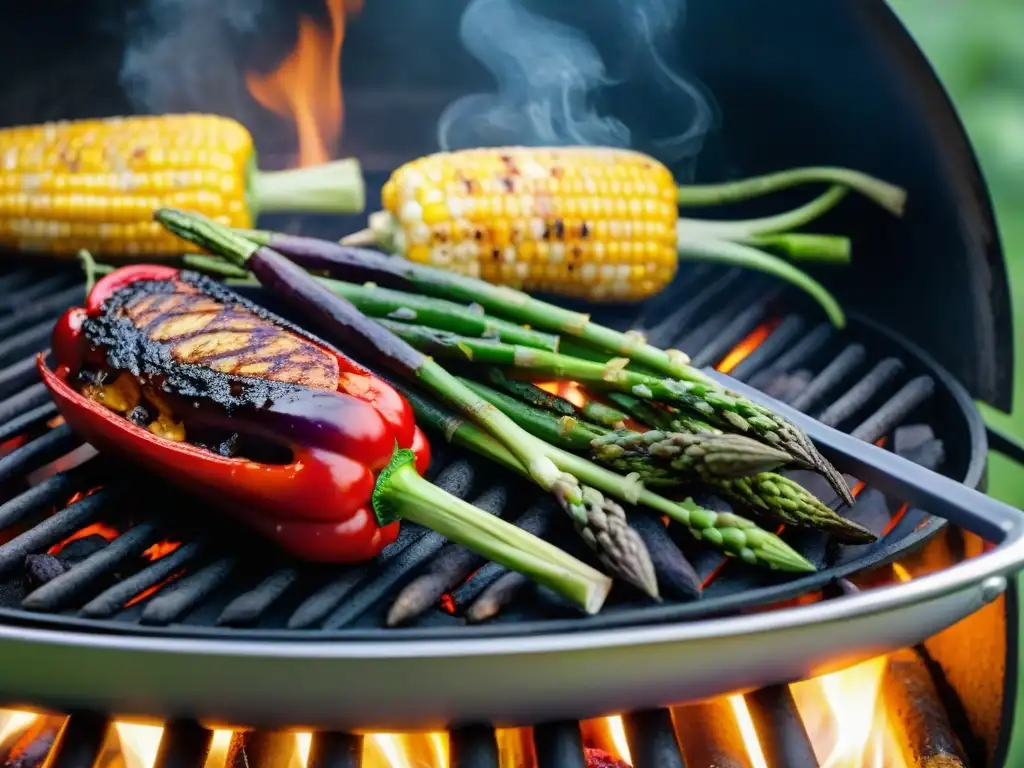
(896, 409)
(22, 299)
(331, 749)
(16, 279)
(58, 527)
(559, 745)
(112, 600)
(17, 376)
(665, 332)
(47, 308)
(780, 730)
(16, 405)
(860, 394)
(47, 447)
(53, 490)
(183, 744)
(179, 597)
(473, 746)
(751, 295)
(792, 358)
(831, 377)
(79, 742)
(26, 342)
(739, 327)
(651, 736)
(249, 606)
(787, 335)
(80, 579)
(28, 421)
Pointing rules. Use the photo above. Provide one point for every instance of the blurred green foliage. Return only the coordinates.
(977, 48)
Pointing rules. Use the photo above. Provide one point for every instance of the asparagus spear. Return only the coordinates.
(365, 264)
(376, 302)
(713, 404)
(600, 522)
(564, 431)
(703, 455)
(340, 320)
(532, 394)
(730, 533)
(780, 498)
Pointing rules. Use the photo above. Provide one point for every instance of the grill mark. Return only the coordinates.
(274, 352)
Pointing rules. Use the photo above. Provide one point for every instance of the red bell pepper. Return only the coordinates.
(318, 506)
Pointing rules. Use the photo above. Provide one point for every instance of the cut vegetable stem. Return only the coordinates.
(402, 493)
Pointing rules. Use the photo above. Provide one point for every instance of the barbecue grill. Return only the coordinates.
(119, 598)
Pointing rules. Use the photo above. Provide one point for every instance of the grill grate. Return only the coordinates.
(213, 580)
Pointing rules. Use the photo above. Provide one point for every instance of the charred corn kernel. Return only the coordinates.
(94, 184)
(585, 222)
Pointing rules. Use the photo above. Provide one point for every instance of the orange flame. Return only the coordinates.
(306, 86)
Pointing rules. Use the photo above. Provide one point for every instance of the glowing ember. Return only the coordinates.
(79, 456)
(96, 529)
(161, 549)
(306, 86)
(742, 350)
(155, 588)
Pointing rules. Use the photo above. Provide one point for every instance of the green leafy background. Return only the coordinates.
(977, 48)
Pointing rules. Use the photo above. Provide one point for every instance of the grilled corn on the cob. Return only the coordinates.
(597, 223)
(94, 184)
(592, 222)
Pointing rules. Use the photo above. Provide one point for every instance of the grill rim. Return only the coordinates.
(644, 616)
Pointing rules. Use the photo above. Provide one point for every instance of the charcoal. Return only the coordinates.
(249, 606)
(598, 758)
(78, 549)
(40, 569)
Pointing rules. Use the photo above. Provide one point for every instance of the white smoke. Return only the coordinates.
(548, 76)
(180, 55)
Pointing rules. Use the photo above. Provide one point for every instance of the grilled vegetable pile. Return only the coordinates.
(95, 183)
(598, 223)
(172, 371)
(597, 460)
